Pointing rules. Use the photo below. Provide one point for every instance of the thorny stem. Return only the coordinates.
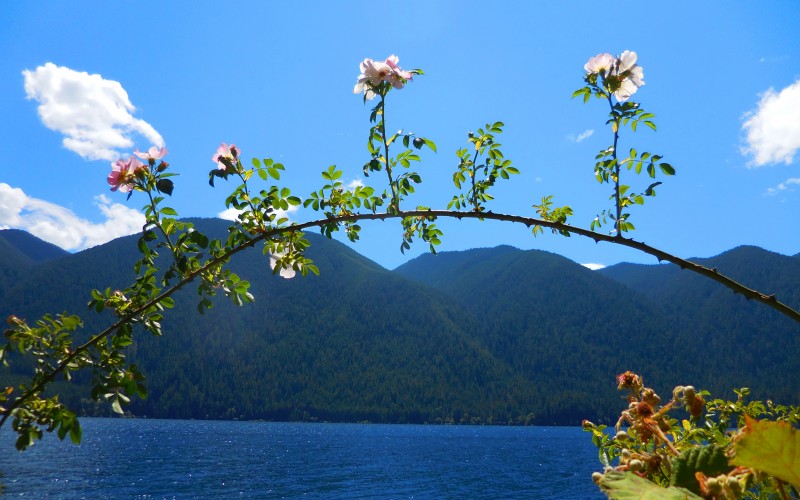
(474, 174)
(661, 255)
(157, 223)
(617, 203)
(394, 205)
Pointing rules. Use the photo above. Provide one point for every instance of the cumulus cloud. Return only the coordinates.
(94, 114)
(783, 186)
(593, 266)
(773, 129)
(583, 135)
(233, 215)
(355, 183)
(60, 226)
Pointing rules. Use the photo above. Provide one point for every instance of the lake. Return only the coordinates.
(124, 458)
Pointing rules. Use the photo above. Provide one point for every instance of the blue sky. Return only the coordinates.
(84, 82)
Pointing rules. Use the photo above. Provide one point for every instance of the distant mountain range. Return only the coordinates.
(495, 335)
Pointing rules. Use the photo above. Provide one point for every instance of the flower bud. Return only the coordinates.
(621, 435)
(162, 166)
(597, 477)
(650, 397)
(713, 485)
(734, 485)
(636, 465)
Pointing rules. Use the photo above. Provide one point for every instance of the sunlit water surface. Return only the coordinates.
(125, 458)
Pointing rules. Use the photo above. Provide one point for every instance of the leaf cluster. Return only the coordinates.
(479, 168)
(699, 454)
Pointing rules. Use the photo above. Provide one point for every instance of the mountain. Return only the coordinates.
(29, 247)
(730, 341)
(552, 320)
(20, 251)
(672, 326)
(356, 343)
(488, 335)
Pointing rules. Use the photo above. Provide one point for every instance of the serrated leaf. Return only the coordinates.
(710, 460)
(627, 485)
(771, 447)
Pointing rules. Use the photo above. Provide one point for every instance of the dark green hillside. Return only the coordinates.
(488, 335)
(34, 249)
(721, 338)
(19, 252)
(553, 321)
(356, 343)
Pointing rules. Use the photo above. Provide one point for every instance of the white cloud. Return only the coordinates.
(93, 113)
(783, 186)
(773, 129)
(355, 183)
(60, 226)
(233, 215)
(593, 266)
(583, 135)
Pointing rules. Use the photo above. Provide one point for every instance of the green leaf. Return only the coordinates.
(168, 211)
(75, 432)
(771, 447)
(666, 168)
(710, 460)
(627, 485)
(165, 186)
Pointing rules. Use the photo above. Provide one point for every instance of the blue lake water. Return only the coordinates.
(125, 458)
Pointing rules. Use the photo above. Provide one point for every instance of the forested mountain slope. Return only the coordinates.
(489, 335)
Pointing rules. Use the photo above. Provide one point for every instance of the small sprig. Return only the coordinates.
(480, 168)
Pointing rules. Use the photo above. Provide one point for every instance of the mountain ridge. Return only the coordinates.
(477, 336)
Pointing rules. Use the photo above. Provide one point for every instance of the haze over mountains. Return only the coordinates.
(481, 336)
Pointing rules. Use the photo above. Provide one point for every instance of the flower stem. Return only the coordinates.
(394, 204)
(617, 203)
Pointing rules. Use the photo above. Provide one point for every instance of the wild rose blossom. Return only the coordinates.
(621, 75)
(224, 151)
(285, 272)
(600, 64)
(123, 174)
(631, 74)
(373, 73)
(151, 155)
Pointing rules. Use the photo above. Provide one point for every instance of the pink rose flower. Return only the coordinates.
(224, 151)
(123, 174)
(373, 73)
(601, 63)
(152, 154)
